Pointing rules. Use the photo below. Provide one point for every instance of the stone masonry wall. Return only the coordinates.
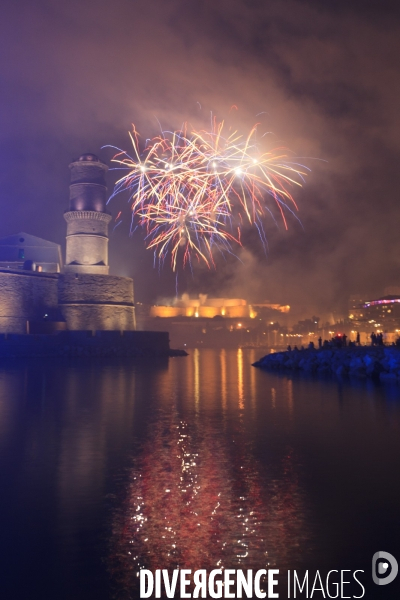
(94, 289)
(98, 317)
(87, 249)
(87, 238)
(89, 225)
(97, 302)
(25, 297)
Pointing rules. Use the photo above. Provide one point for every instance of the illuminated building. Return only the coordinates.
(87, 218)
(35, 287)
(214, 322)
(42, 255)
(356, 306)
(233, 308)
(88, 296)
(382, 313)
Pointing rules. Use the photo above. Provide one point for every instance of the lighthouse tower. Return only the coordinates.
(90, 298)
(87, 218)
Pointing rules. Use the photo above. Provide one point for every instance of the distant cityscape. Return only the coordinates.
(233, 322)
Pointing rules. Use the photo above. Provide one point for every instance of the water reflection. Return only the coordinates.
(197, 497)
(222, 360)
(199, 462)
(196, 361)
(65, 427)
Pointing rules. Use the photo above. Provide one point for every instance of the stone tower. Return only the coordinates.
(87, 218)
(89, 298)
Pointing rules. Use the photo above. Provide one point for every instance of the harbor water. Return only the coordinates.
(197, 462)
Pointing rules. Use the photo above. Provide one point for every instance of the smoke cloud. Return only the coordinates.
(325, 76)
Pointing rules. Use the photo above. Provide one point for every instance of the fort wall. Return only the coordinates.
(98, 317)
(25, 296)
(95, 289)
(96, 302)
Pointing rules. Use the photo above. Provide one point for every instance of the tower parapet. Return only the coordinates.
(87, 218)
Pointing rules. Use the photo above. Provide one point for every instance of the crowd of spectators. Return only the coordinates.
(341, 341)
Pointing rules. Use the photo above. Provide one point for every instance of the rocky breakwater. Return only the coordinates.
(379, 362)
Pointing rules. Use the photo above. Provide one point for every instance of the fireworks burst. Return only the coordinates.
(193, 191)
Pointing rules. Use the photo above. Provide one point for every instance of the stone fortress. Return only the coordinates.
(38, 294)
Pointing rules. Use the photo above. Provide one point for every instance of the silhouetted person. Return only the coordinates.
(320, 342)
(311, 345)
(344, 339)
(358, 338)
(289, 348)
(337, 341)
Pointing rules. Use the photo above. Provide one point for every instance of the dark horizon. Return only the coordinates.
(324, 75)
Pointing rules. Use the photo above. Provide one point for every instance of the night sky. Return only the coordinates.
(75, 74)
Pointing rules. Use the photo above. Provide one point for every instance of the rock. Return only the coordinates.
(355, 361)
(383, 376)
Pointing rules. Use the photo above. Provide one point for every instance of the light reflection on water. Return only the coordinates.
(197, 497)
(260, 469)
(196, 500)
